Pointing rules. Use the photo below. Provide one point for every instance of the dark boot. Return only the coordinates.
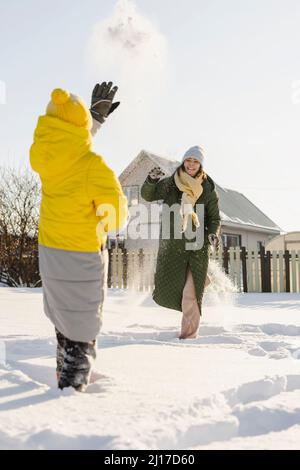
(78, 358)
(60, 356)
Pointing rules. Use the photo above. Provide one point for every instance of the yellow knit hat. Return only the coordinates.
(69, 108)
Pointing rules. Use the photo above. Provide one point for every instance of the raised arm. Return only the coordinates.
(102, 104)
(153, 188)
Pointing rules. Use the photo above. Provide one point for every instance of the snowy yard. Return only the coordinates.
(236, 387)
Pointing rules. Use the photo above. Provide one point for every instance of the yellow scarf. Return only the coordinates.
(192, 190)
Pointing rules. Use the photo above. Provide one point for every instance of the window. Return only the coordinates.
(231, 240)
(260, 245)
(132, 194)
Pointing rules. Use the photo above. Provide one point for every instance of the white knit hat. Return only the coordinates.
(195, 152)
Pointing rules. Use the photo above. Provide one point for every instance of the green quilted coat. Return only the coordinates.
(173, 258)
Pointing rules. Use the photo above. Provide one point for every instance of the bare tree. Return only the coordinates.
(19, 212)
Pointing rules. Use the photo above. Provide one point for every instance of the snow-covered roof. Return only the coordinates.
(169, 166)
(236, 208)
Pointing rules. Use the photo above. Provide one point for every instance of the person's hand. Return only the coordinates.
(156, 173)
(102, 101)
(214, 240)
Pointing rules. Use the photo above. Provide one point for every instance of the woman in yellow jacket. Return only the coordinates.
(82, 201)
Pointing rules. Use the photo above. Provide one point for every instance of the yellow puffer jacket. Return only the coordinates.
(75, 181)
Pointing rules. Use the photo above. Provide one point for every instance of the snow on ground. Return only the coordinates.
(236, 387)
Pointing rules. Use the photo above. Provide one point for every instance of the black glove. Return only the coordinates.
(156, 173)
(214, 240)
(102, 101)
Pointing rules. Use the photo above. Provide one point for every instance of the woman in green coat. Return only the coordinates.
(181, 271)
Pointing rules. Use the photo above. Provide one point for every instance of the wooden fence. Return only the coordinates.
(250, 271)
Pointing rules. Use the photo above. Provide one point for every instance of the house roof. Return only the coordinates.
(165, 164)
(235, 208)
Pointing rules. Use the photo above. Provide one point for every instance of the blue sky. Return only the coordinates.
(230, 82)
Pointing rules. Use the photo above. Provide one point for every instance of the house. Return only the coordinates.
(243, 224)
(289, 241)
